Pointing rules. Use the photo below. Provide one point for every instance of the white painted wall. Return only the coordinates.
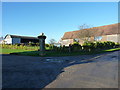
(8, 40)
(114, 38)
(16, 40)
(66, 42)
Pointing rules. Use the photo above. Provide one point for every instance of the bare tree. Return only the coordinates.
(1, 38)
(96, 32)
(86, 32)
(52, 41)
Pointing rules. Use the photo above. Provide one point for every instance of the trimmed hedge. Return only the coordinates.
(90, 46)
(87, 46)
(19, 46)
(75, 47)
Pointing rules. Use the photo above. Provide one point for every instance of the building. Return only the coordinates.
(109, 33)
(15, 39)
(1, 40)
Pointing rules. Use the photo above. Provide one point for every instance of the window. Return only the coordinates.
(76, 40)
(98, 38)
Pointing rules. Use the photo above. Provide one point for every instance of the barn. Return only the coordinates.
(16, 39)
(110, 33)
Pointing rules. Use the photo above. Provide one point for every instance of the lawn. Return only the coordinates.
(8, 51)
(52, 53)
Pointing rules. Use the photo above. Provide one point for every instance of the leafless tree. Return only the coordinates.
(86, 32)
(52, 41)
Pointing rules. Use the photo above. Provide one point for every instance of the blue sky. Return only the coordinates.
(55, 18)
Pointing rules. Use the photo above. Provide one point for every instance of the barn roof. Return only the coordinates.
(23, 37)
(107, 30)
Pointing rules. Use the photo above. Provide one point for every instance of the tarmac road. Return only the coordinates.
(60, 72)
(103, 73)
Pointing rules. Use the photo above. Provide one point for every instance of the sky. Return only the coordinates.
(60, 0)
(55, 18)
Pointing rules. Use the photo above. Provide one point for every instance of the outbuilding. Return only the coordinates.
(16, 39)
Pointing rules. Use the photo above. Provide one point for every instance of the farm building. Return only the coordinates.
(109, 33)
(13, 39)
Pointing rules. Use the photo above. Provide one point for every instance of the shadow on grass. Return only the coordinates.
(37, 72)
(56, 53)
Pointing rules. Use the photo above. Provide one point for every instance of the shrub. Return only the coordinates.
(76, 47)
(31, 44)
(51, 47)
(76, 43)
(63, 48)
(47, 45)
(88, 46)
(109, 44)
(117, 45)
(37, 44)
(55, 48)
(17, 44)
(99, 45)
(112, 44)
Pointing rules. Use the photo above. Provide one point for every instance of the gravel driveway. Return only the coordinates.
(60, 72)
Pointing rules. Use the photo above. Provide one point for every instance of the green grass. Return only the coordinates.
(8, 51)
(114, 49)
(52, 53)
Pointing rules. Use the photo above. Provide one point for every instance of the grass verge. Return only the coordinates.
(53, 53)
(8, 51)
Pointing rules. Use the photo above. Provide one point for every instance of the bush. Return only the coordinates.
(47, 45)
(109, 44)
(55, 48)
(91, 46)
(65, 48)
(76, 43)
(99, 45)
(117, 45)
(17, 44)
(51, 47)
(32, 44)
(37, 44)
(88, 46)
(76, 47)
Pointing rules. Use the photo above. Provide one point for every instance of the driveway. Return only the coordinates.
(60, 72)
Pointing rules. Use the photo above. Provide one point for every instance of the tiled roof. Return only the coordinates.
(107, 30)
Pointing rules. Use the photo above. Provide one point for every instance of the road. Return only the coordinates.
(103, 73)
(84, 71)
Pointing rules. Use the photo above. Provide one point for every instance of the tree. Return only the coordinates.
(87, 32)
(52, 41)
(1, 38)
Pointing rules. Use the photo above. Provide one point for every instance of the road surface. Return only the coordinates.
(60, 72)
(103, 73)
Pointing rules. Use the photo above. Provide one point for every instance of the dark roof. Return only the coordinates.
(107, 30)
(23, 37)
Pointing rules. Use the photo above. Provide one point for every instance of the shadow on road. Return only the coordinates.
(36, 72)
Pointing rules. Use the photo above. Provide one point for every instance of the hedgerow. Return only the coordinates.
(75, 47)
